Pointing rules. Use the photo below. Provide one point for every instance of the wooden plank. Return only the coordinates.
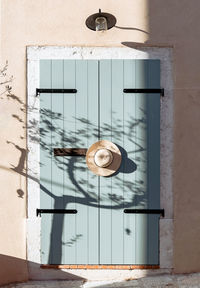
(92, 185)
(70, 236)
(153, 136)
(110, 267)
(105, 123)
(80, 166)
(57, 164)
(141, 162)
(70, 151)
(45, 160)
(130, 186)
(117, 137)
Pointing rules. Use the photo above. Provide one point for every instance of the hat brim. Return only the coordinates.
(112, 167)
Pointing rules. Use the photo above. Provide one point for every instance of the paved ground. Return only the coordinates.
(185, 281)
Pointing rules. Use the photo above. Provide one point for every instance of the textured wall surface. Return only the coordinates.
(156, 23)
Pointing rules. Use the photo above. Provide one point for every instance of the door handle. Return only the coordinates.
(70, 151)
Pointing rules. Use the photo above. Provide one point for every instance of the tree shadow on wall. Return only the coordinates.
(134, 160)
(72, 166)
(6, 94)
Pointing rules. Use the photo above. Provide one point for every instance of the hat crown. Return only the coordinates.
(103, 157)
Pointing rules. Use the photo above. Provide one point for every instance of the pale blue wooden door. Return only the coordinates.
(100, 233)
(132, 121)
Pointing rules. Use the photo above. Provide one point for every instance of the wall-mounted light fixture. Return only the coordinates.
(100, 21)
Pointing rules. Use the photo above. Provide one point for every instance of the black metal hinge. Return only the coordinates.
(55, 211)
(145, 211)
(55, 90)
(142, 90)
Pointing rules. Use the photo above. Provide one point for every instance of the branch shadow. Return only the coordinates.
(74, 165)
(132, 161)
(89, 198)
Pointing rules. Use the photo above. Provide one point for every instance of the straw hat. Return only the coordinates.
(103, 158)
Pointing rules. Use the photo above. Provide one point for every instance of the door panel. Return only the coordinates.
(65, 181)
(100, 233)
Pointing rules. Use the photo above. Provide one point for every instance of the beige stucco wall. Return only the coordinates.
(173, 23)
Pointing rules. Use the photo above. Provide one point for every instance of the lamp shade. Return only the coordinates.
(100, 21)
